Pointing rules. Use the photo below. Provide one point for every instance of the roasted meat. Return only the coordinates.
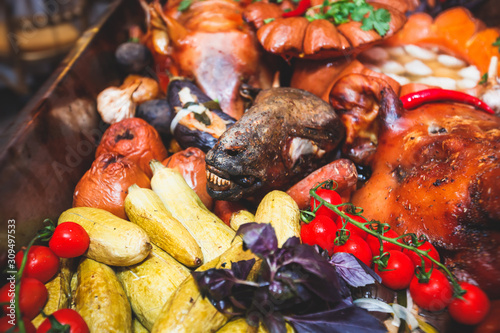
(287, 134)
(210, 42)
(435, 171)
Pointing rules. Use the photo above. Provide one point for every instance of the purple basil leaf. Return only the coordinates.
(353, 271)
(242, 268)
(260, 238)
(215, 283)
(291, 242)
(341, 319)
(275, 323)
(318, 275)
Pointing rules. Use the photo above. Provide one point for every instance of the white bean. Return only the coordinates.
(391, 66)
(396, 51)
(466, 84)
(416, 67)
(443, 82)
(470, 72)
(450, 61)
(399, 79)
(419, 52)
(373, 68)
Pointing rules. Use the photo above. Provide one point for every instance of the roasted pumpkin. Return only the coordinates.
(135, 139)
(106, 184)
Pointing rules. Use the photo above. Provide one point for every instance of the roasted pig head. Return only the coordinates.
(285, 135)
(210, 43)
(435, 171)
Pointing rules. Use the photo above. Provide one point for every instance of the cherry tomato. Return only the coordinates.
(6, 325)
(358, 247)
(355, 231)
(320, 231)
(424, 247)
(32, 297)
(69, 240)
(42, 263)
(374, 243)
(66, 317)
(399, 271)
(434, 295)
(473, 308)
(329, 196)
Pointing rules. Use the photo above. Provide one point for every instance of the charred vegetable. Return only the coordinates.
(135, 139)
(106, 184)
(198, 120)
(133, 57)
(287, 134)
(157, 113)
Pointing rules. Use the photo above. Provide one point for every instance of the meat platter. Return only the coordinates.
(262, 166)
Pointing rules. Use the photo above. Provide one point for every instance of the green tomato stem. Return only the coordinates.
(20, 322)
(422, 253)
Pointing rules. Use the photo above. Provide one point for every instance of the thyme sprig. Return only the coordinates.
(377, 229)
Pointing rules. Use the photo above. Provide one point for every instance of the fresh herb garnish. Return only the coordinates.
(202, 118)
(497, 43)
(294, 284)
(268, 20)
(344, 11)
(184, 5)
(484, 79)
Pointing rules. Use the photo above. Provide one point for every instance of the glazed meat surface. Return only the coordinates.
(435, 171)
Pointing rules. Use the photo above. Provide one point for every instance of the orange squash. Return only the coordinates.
(106, 184)
(135, 139)
(191, 164)
(455, 31)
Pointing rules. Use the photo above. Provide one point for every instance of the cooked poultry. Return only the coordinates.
(435, 171)
(210, 42)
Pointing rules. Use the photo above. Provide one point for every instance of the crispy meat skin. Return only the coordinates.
(258, 147)
(211, 43)
(435, 170)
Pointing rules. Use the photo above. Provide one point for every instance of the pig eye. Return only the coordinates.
(232, 152)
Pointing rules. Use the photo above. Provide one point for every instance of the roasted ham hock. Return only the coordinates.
(435, 171)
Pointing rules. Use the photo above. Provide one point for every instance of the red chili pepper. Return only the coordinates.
(302, 7)
(415, 99)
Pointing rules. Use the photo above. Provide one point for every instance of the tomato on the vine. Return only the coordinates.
(355, 231)
(69, 240)
(320, 231)
(6, 325)
(358, 247)
(374, 243)
(434, 295)
(473, 308)
(424, 247)
(65, 317)
(329, 196)
(42, 263)
(32, 297)
(399, 271)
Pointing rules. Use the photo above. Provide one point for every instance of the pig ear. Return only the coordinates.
(164, 28)
(299, 149)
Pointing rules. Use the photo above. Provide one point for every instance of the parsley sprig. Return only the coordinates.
(343, 11)
(497, 43)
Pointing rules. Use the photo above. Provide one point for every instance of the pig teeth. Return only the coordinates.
(214, 179)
